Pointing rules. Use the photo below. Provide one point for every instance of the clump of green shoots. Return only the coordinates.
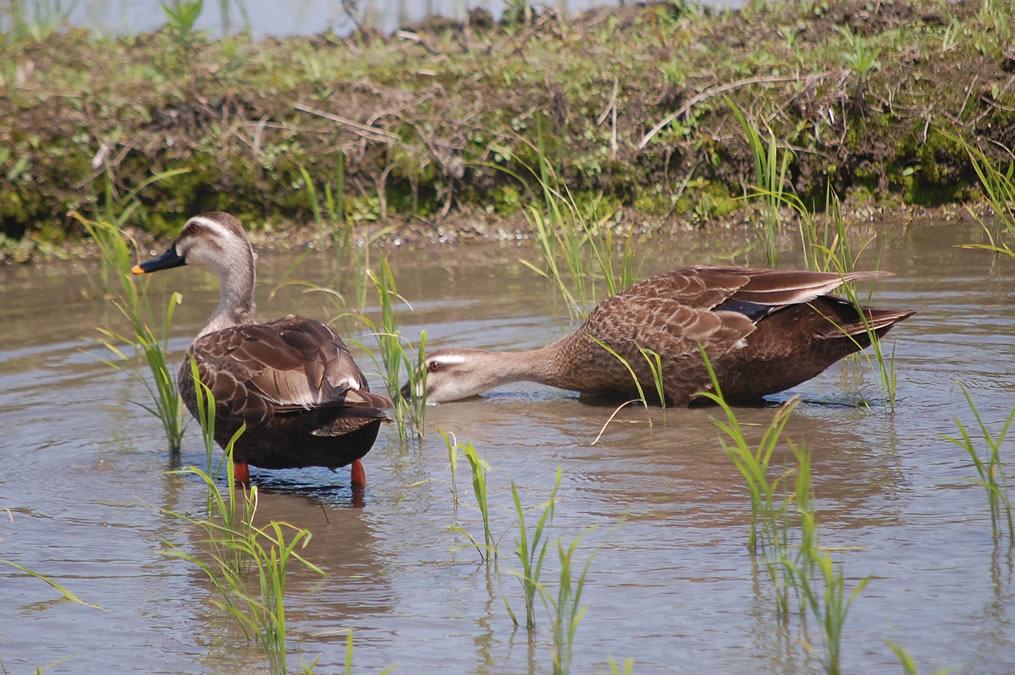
(767, 514)
(238, 549)
(410, 412)
(530, 549)
(998, 183)
(566, 611)
(878, 360)
(488, 549)
(819, 585)
(805, 567)
(827, 247)
(826, 600)
(332, 223)
(989, 468)
(574, 241)
(770, 169)
(132, 302)
(862, 60)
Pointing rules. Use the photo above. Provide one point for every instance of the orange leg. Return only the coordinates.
(359, 474)
(242, 473)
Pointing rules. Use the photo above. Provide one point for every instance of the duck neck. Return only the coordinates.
(532, 365)
(236, 296)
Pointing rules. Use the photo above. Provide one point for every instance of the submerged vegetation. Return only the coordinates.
(839, 89)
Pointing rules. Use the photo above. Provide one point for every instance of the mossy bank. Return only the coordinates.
(441, 128)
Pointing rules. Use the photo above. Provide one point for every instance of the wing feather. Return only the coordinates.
(291, 364)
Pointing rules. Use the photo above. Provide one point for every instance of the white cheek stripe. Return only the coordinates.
(449, 359)
(213, 225)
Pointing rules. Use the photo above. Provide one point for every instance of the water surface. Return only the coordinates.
(84, 489)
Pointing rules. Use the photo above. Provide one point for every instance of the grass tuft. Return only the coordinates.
(488, 549)
(530, 549)
(132, 302)
(396, 354)
(246, 564)
(990, 468)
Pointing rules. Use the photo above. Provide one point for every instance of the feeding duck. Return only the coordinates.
(763, 330)
(292, 380)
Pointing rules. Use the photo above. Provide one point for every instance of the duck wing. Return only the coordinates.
(673, 313)
(288, 366)
(715, 306)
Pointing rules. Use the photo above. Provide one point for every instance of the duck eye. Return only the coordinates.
(433, 366)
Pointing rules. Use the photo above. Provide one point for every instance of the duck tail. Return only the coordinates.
(877, 319)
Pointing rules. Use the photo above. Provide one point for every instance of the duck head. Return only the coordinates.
(215, 241)
(453, 373)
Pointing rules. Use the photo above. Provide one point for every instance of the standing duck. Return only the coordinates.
(764, 331)
(292, 380)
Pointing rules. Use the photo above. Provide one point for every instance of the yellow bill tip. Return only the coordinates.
(136, 269)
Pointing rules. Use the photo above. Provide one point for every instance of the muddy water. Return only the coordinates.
(83, 485)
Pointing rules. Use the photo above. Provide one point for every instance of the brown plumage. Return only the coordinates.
(764, 331)
(292, 380)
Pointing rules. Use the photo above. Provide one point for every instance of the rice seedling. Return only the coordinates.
(267, 552)
(133, 304)
(907, 662)
(454, 452)
(238, 549)
(566, 241)
(829, 604)
(825, 599)
(64, 591)
(767, 514)
(566, 611)
(770, 169)
(530, 549)
(790, 567)
(627, 365)
(615, 670)
(655, 365)
(808, 569)
(488, 549)
(880, 362)
(990, 468)
(340, 230)
(575, 243)
(410, 412)
(770, 532)
(350, 258)
(998, 185)
(828, 247)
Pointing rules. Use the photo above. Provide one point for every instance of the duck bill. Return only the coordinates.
(166, 261)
